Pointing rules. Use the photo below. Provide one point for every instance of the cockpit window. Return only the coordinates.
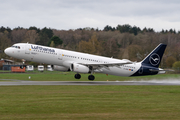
(16, 47)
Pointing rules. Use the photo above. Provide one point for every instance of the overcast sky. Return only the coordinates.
(73, 14)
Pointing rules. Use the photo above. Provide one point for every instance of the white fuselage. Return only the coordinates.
(65, 58)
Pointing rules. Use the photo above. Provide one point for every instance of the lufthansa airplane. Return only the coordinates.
(78, 62)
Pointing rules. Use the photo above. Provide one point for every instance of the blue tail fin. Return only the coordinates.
(154, 58)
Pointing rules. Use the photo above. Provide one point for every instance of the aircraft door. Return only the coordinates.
(27, 49)
(60, 55)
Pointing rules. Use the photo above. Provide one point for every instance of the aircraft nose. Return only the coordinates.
(7, 51)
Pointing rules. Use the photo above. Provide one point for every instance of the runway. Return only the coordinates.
(10, 82)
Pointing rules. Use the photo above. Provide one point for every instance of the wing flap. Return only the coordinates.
(105, 64)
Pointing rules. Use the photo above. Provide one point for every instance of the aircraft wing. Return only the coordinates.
(99, 65)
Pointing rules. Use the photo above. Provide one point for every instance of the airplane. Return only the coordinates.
(65, 60)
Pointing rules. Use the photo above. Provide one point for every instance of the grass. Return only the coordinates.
(69, 76)
(90, 102)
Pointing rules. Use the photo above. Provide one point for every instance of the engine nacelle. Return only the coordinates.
(79, 68)
(60, 68)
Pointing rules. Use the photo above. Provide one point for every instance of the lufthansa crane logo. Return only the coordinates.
(154, 59)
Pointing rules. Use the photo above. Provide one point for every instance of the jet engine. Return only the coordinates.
(59, 68)
(79, 68)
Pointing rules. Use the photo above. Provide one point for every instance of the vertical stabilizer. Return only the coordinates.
(154, 58)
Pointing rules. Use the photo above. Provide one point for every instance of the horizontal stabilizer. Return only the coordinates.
(156, 70)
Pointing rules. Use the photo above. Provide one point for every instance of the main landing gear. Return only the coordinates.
(90, 77)
(77, 76)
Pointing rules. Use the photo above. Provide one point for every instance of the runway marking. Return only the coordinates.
(13, 82)
(10, 80)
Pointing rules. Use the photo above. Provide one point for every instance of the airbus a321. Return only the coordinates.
(79, 62)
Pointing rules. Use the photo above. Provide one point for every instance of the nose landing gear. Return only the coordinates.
(23, 65)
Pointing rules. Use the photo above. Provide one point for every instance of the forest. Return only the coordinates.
(122, 42)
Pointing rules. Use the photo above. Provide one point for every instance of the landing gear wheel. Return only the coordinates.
(22, 66)
(91, 77)
(77, 76)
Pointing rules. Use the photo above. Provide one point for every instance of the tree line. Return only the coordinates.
(122, 42)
